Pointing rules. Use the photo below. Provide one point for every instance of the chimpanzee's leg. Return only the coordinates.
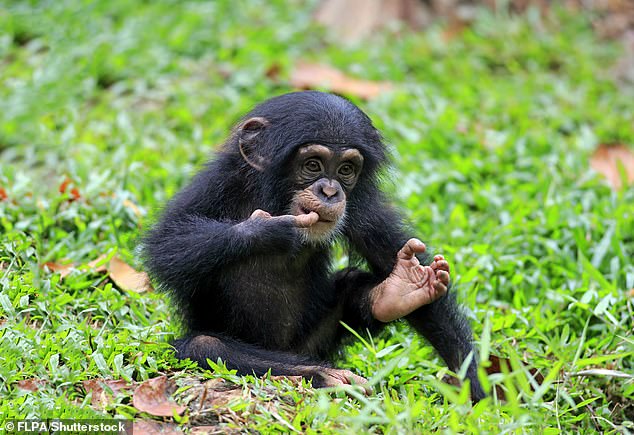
(249, 359)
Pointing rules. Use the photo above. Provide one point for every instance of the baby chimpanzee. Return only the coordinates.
(245, 249)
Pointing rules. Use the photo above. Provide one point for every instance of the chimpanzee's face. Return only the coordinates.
(324, 177)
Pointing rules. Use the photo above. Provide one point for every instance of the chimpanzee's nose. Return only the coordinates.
(328, 191)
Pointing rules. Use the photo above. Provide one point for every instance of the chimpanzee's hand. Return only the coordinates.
(301, 221)
(410, 285)
(264, 233)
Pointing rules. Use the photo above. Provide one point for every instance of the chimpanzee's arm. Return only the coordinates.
(185, 248)
(376, 235)
(378, 239)
(444, 325)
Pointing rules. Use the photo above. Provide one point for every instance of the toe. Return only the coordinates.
(354, 379)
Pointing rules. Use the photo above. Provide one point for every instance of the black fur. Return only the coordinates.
(249, 292)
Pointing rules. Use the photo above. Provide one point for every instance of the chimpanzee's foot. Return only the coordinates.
(330, 377)
(410, 285)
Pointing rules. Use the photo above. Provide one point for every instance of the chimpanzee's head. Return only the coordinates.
(311, 149)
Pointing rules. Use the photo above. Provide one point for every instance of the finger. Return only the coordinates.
(260, 214)
(440, 288)
(443, 277)
(306, 220)
(440, 265)
(411, 247)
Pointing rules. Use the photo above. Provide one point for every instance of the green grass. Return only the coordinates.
(491, 134)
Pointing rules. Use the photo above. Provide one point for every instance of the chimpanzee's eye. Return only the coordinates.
(346, 170)
(312, 165)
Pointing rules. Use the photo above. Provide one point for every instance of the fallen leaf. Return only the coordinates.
(97, 265)
(218, 392)
(127, 278)
(313, 76)
(605, 158)
(63, 269)
(100, 395)
(64, 185)
(155, 427)
(74, 192)
(32, 384)
(219, 384)
(151, 397)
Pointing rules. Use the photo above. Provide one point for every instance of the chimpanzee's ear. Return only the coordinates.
(248, 133)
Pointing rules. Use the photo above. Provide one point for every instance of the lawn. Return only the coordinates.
(108, 108)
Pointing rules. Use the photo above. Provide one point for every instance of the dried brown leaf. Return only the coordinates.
(605, 161)
(215, 398)
(101, 396)
(151, 397)
(64, 185)
(313, 76)
(220, 384)
(127, 278)
(32, 384)
(97, 265)
(74, 192)
(63, 269)
(217, 392)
